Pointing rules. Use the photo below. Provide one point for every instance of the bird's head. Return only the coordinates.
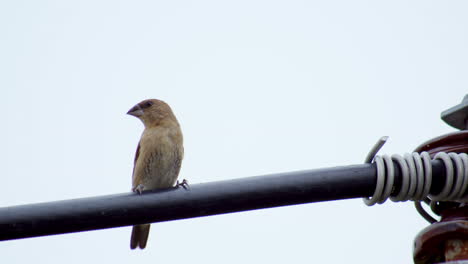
(152, 112)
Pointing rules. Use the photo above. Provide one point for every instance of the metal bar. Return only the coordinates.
(198, 200)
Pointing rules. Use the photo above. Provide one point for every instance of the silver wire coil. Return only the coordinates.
(416, 175)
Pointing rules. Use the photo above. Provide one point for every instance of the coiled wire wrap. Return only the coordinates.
(416, 174)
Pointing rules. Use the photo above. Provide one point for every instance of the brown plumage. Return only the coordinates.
(158, 156)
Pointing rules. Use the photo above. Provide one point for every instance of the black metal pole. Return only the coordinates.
(199, 200)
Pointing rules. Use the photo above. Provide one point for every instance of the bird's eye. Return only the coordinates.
(146, 104)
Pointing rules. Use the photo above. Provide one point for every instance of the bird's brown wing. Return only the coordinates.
(137, 154)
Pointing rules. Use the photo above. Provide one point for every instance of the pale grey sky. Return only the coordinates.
(258, 86)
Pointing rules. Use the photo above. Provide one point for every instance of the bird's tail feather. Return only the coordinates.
(139, 236)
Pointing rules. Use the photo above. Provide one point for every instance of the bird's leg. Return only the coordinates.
(139, 189)
(184, 184)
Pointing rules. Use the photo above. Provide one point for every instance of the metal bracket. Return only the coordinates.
(457, 116)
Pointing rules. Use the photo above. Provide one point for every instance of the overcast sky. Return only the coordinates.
(258, 86)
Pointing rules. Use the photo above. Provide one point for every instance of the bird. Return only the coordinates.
(158, 157)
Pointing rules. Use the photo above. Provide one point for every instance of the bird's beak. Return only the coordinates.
(135, 111)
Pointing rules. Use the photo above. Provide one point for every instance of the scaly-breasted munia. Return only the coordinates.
(158, 156)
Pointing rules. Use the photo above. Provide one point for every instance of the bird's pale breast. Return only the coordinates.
(159, 160)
